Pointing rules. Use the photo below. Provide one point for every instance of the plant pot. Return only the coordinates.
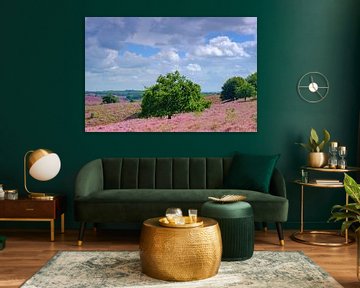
(317, 159)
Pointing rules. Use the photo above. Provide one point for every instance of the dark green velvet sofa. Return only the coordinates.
(131, 190)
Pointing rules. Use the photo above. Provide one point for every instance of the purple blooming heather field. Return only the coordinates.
(234, 116)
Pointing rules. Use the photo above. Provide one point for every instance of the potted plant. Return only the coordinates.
(350, 213)
(317, 157)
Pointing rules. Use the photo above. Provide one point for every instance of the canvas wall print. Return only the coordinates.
(171, 74)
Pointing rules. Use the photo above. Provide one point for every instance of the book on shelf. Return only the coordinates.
(327, 181)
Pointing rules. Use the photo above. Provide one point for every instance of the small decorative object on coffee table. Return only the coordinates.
(174, 216)
(185, 254)
(188, 223)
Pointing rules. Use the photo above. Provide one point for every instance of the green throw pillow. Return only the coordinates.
(251, 172)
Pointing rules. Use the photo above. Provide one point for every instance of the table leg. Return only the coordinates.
(302, 209)
(63, 223)
(52, 230)
(346, 230)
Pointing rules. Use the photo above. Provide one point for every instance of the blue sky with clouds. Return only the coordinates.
(131, 52)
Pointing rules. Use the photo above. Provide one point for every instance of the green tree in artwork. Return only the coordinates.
(172, 94)
(109, 98)
(246, 90)
(237, 88)
(252, 79)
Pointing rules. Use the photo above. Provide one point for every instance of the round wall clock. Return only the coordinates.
(313, 87)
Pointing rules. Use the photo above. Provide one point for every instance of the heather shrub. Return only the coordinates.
(109, 99)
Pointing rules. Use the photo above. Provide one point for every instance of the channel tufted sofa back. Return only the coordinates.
(164, 173)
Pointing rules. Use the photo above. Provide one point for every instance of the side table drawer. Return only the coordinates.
(31, 209)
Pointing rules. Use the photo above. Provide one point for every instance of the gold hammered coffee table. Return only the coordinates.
(180, 254)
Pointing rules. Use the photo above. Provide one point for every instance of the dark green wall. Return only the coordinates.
(42, 86)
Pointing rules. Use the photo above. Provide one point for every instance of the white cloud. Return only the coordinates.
(193, 67)
(132, 60)
(169, 55)
(221, 46)
(98, 59)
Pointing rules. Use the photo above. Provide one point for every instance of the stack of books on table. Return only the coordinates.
(328, 181)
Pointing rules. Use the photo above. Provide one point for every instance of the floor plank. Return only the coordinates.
(28, 250)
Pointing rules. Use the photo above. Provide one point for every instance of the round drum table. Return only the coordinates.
(180, 254)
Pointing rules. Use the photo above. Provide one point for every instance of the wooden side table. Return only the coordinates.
(27, 209)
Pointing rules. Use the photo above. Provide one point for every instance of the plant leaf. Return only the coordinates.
(336, 216)
(314, 135)
(312, 144)
(352, 188)
(321, 146)
(346, 225)
(326, 136)
(350, 207)
(306, 146)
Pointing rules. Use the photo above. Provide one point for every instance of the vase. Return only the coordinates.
(317, 159)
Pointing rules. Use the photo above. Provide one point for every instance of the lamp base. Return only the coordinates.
(41, 196)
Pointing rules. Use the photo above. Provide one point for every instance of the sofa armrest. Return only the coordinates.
(277, 184)
(89, 179)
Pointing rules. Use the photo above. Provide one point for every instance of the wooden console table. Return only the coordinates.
(27, 209)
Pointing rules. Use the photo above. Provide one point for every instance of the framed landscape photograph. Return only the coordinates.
(171, 74)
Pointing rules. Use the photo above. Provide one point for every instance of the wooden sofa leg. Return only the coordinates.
(280, 233)
(81, 233)
(265, 227)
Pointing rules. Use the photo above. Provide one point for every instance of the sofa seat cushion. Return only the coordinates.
(166, 195)
(266, 207)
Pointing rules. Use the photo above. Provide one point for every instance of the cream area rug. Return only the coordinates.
(80, 269)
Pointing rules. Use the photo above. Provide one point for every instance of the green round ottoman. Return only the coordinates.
(236, 221)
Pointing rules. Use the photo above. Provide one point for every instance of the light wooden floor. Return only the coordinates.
(28, 250)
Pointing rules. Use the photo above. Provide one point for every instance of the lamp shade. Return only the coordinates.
(43, 164)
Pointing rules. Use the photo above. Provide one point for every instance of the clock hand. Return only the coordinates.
(312, 80)
(312, 83)
(321, 96)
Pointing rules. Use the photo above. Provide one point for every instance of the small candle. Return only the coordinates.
(333, 144)
(342, 149)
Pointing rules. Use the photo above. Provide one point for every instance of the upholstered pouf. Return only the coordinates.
(236, 223)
